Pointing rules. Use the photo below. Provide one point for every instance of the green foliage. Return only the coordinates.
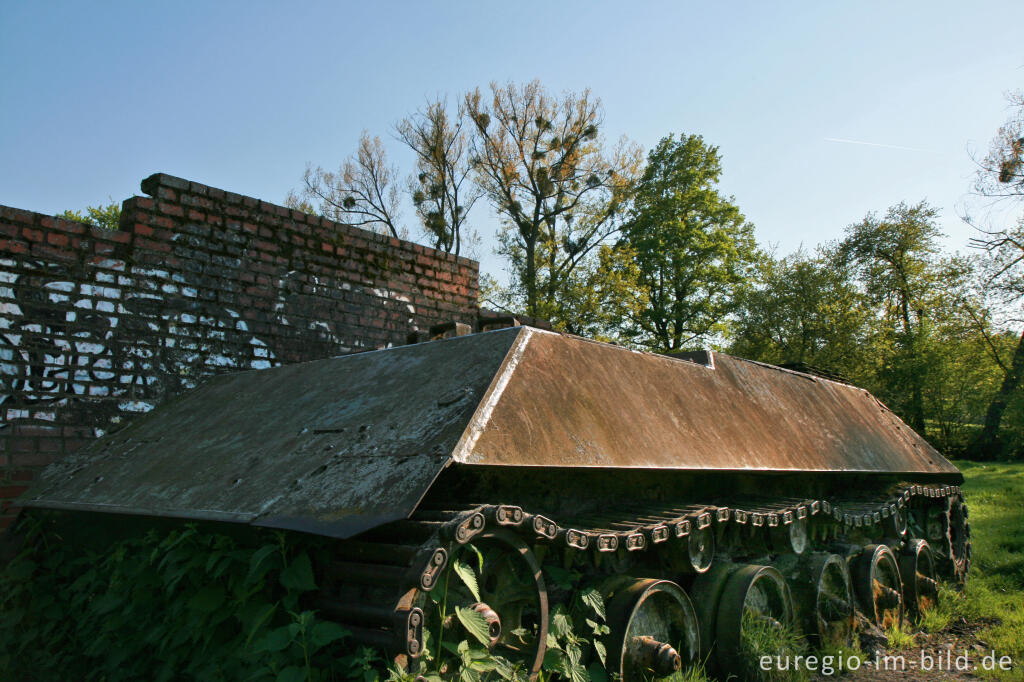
(174, 605)
(692, 247)
(468, 577)
(885, 310)
(595, 296)
(760, 638)
(804, 310)
(108, 217)
(1003, 281)
(896, 263)
(475, 624)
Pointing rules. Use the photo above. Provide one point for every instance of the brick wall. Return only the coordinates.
(98, 326)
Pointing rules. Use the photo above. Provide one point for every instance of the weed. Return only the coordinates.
(762, 637)
(899, 637)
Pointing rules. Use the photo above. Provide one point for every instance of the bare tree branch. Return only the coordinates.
(363, 192)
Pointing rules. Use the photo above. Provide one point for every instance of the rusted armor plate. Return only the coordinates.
(334, 446)
(566, 401)
(342, 445)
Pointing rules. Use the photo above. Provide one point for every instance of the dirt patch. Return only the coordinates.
(954, 653)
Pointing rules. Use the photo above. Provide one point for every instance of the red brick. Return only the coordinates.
(9, 492)
(32, 235)
(57, 239)
(143, 243)
(13, 246)
(21, 445)
(19, 429)
(171, 209)
(31, 459)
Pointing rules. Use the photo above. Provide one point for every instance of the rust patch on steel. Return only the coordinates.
(572, 402)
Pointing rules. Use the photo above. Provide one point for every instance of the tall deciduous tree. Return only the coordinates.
(897, 262)
(363, 192)
(1000, 176)
(692, 246)
(1001, 172)
(441, 188)
(540, 161)
(804, 310)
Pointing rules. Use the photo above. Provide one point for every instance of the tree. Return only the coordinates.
(693, 248)
(896, 259)
(440, 191)
(363, 193)
(599, 292)
(107, 217)
(1004, 266)
(1001, 176)
(1001, 172)
(541, 163)
(804, 310)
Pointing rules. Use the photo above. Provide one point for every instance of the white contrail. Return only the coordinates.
(876, 144)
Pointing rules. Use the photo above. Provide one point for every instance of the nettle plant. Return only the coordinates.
(179, 604)
(462, 642)
(184, 604)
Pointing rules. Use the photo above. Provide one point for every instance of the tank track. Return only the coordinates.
(377, 585)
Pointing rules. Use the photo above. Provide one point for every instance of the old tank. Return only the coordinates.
(705, 494)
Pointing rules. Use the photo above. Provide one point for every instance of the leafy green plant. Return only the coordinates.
(172, 605)
(106, 216)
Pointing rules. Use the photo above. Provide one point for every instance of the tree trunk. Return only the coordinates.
(531, 277)
(987, 445)
(917, 390)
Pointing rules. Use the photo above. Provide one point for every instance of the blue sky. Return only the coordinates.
(241, 95)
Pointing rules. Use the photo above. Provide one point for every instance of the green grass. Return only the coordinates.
(994, 594)
(758, 638)
(899, 637)
(694, 673)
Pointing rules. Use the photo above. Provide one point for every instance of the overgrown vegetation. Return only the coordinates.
(173, 605)
(759, 637)
(993, 598)
(187, 604)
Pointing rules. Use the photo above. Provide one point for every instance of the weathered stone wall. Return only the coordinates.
(98, 326)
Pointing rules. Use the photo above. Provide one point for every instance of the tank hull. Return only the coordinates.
(676, 487)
